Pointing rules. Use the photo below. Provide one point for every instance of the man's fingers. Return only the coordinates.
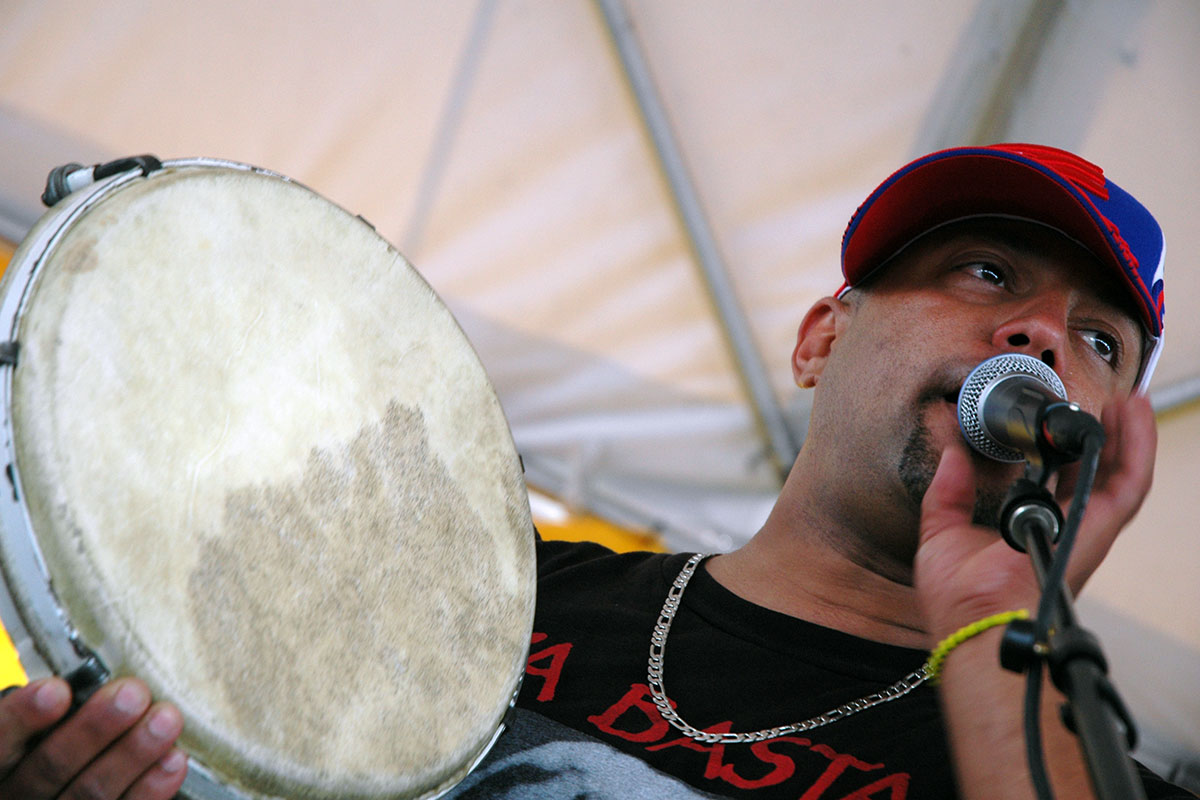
(963, 571)
(27, 712)
(1131, 447)
(135, 760)
(47, 769)
(1127, 461)
(1123, 478)
(115, 746)
(948, 539)
(950, 499)
(162, 780)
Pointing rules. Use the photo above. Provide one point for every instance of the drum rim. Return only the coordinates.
(38, 616)
(29, 606)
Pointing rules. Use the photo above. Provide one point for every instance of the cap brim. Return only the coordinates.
(956, 184)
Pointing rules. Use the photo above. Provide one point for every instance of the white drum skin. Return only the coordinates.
(267, 474)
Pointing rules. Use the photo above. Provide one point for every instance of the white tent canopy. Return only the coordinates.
(501, 146)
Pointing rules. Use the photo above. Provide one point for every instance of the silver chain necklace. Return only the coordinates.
(658, 690)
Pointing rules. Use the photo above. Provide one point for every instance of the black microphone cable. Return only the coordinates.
(1012, 408)
(1052, 585)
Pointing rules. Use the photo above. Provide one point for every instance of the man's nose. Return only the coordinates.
(1038, 330)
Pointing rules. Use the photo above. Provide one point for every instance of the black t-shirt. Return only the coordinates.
(586, 725)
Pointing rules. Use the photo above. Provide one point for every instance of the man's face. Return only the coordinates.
(886, 398)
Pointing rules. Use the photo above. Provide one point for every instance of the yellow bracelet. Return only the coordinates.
(933, 667)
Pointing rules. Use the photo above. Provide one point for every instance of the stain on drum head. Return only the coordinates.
(269, 476)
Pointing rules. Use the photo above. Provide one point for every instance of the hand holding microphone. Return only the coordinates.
(1012, 408)
(1124, 473)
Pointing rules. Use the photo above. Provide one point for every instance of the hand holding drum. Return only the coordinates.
(254, 463)
(117, 745)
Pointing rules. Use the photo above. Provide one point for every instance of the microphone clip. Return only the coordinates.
(1029, 509)
(1065, 430)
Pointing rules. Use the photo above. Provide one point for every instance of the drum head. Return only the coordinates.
(268, 475)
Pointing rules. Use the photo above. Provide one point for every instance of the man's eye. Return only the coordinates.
(1106, 345)
(987, 272)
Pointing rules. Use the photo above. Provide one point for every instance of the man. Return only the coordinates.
(871, 556)
(878, 549)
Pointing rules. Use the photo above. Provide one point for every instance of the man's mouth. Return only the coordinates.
(946, 383)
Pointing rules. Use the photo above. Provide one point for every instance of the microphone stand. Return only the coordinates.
(1031, 522)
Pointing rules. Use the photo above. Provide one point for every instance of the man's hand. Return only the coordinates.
(117, 745)
(964, 572)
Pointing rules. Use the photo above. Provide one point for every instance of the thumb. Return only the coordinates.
(949, 501)
(962, 571)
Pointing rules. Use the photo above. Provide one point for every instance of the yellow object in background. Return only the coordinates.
(555, 521)
(11, 672)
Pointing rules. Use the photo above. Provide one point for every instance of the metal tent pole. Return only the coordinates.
(767, 411)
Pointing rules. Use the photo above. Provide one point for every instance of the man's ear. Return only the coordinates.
(814, 341)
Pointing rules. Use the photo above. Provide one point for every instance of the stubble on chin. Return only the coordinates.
(918, 463)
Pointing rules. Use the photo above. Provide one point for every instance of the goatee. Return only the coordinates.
(919, 462)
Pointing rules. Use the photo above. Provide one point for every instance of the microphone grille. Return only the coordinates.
(983, 376)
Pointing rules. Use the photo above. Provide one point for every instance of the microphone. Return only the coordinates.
(1013, 407)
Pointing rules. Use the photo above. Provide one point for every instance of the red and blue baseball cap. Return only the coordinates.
(1028, 181)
